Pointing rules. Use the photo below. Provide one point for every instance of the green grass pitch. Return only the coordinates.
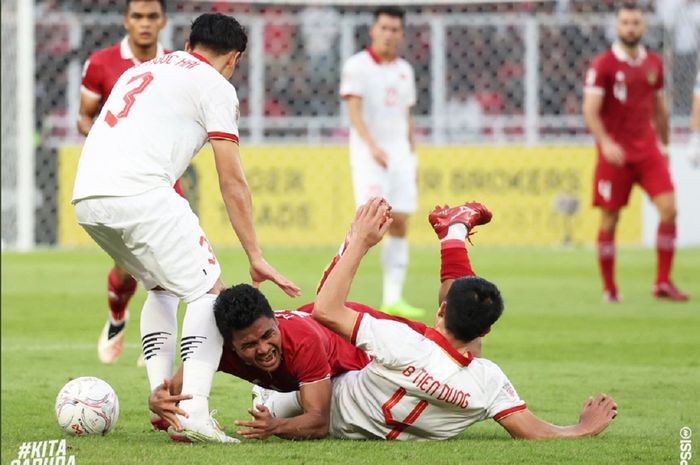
(556, 341)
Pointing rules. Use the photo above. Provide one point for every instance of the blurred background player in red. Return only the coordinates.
(625, 109)
(143, 21)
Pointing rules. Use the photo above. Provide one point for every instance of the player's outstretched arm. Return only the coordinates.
(314, 423)
(369, 226)
(595, 417)
(239, 206)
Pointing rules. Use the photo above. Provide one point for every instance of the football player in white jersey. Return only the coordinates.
(157, 117)
(431, 385)
(379, 89)
(694, 149)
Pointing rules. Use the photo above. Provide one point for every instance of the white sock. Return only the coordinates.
(280, 404)
(394, 263)
(200, 350)
(159, 335)
(456, 231)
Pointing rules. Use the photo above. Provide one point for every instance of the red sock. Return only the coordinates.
(665, 248)
(119, 294)
(606, 259)
(454, 261)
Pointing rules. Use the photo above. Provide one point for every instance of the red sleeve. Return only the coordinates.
(93, 76)
(597, 76)
(660, 80)
(305, 353)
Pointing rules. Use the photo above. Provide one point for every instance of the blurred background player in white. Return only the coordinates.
(379, 89)
(694, 149)
(625, 109)
(143, 21)
(157, 118)
(429, 385)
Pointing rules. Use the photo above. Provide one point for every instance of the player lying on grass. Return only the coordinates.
(429, 385)
(284, 351)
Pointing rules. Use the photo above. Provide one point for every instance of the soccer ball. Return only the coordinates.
(87, 405)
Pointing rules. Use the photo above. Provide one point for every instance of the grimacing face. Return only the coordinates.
(143, 22)
(260, 344)
(386, 34)
(630, 27)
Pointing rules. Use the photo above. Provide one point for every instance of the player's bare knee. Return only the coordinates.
(399, 227)
(609, 219)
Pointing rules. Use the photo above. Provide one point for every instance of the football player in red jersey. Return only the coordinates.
(143, 21)
(625, 110)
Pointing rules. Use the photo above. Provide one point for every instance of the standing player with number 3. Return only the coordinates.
(625, 109)
(156, 119)
(143, 21)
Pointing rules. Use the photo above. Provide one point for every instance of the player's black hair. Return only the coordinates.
(393, 11)
(628, 6)
(473, 305)
(238, 307)
(219, 33)
(162, 3)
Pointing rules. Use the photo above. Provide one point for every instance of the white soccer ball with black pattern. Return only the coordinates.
(87, 405)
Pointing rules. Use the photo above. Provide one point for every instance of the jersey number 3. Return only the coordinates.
(129, 98)
(400, 425)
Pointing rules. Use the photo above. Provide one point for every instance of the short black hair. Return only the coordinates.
(129, 2)
(238, 307)
(219, 33)
(628, 6)
(473, 305)
(393, 11)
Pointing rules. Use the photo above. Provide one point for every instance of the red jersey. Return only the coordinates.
(310, 352)
(104, 67)
(629, 87)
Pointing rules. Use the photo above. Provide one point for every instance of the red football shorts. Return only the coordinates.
(612, 184)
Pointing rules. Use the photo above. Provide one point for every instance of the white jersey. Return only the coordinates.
(157, 117)
(388, 92)
(418, 387)
(696, 91)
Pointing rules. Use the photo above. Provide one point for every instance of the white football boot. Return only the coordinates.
(111, 341)
(207, 430)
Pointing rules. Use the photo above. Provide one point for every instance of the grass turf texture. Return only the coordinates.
(556, 341)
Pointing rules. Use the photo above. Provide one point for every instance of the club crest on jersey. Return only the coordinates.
(652, 77)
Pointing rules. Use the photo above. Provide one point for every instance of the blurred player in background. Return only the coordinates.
(379, 88)
(143, 21)
(156, 119)
(625, 110)
(429, 384)
(694, 149)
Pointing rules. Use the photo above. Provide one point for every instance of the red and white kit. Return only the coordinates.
(417, 387)
(388, 92)
(157, 117)
(629, 87)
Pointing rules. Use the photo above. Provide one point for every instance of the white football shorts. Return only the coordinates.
(397, 184)
(156, 237)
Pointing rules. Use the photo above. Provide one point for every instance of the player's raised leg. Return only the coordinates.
(120, 288)
(665, 248)
(453, 225)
